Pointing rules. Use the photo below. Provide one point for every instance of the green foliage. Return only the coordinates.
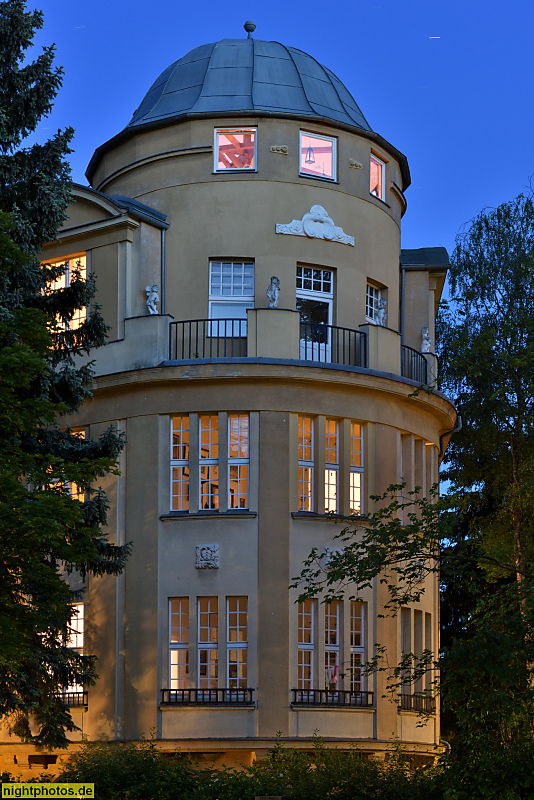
(139, 771)
(132, 772)
(45, 532)
(486, 350)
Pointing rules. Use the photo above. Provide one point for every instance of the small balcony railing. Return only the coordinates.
(417, 702)
(208, 338)
(330, 344)
(413, 365)
(74, 699)
(207, 697)
(327, 697)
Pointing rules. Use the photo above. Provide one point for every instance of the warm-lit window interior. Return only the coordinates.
(357, 646)
(356, 468)
(75, 263)
(179, 642)
(317, 156)
(305, 463)
(331, 643)
(331, 473)
(209, 462)
(237, 642)
(208, 637)
(238, 461)
(376, 185)
(235, 148)
(180, 463)
(306, 643)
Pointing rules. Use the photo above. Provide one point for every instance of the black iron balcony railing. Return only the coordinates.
(208, 338)
(207, 697)
(417, 702)
(413, 365)
(330, 344)
(74, 699)
(327, 697)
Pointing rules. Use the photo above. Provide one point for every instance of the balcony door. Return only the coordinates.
(314, 303)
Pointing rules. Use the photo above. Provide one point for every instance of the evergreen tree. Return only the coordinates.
(46, 532)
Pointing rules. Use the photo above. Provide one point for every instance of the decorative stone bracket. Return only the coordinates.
(316, 224)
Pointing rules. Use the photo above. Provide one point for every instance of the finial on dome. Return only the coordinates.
(250, 27)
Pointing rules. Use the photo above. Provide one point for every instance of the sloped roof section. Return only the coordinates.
(247, 75)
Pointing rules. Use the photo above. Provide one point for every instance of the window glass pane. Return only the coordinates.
(238, 435)
(376, 186)
(238, 486)
(75, 630)
(209, 487)
(236, 148)
(305, 427)
(73, 265)
(305, 622)
(317, 156)
(330, 491)
(179, 620)
(355, 444)
(180, 438)
(209, 436)
(355, 493)
(208, 619)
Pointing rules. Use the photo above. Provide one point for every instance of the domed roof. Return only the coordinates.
(237, 75)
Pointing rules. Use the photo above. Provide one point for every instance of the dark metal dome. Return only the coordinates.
(247, 75)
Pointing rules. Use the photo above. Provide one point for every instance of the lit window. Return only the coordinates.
(357, 645)
(331, 473)
(180, 463)
(376, 185)
(356, 468)
(235, 149)
(231, 293)
(331, 644)
(373, 295)
(238, 460)
(236, 608)
(179, 642)
(74, 490)
(306, 643)
(305, 464)
(209, 462)
(75, 640)
(317, 156)
(208, 637)
(73, 264)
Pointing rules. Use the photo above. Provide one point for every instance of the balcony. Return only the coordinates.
(207, 697)
(266, 336)
(326, 697)
(417, 702)
(74, 699)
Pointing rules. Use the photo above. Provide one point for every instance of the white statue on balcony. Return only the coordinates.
(273, 292)
(152, 298)
(426, 342)
(381, 313)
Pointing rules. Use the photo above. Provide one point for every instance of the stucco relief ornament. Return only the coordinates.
(152, 298)
(316, 224)
(207, 556)
(426, 342)
(273, 292)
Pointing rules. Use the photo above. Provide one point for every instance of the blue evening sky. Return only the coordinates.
(459, 106)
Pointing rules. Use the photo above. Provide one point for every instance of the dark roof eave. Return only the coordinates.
(128, 132)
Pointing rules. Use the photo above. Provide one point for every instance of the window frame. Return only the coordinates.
(357, 651)
(222, 131)
(219, 301)
(181, 464)
(238, 462)
(371, 302)
(239, 646)
(303, 647)
(76, 259)
(179, 650)
(356, 469)
(382, 167)
(305, 464)
(332, 468)
(209, 462)
(208, 646)
(324, 138)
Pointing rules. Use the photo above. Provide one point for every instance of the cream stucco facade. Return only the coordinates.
(159, 212)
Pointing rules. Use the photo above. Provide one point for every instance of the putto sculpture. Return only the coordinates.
(152, 298)
(273, 292)
(382, 313)
(426, 342)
